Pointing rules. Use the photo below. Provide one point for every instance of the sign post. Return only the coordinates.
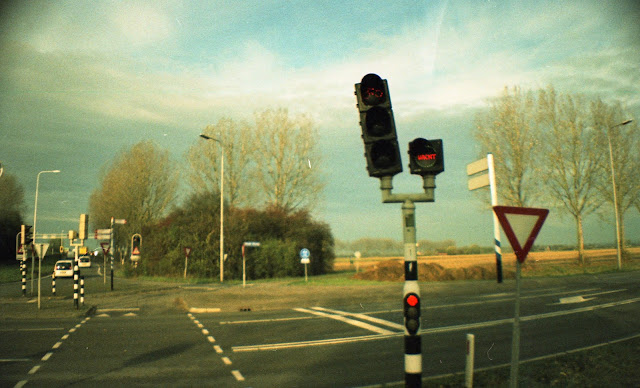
(305, 255)
(105, 251)
(252, 244)
(479, 179)
(521, 225)
(187, 252)
(42, 250)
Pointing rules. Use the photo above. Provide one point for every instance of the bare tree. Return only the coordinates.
(138, 186)
(11, 209)
(286, 160)
(236, 140)
(508, 130)
(570, 159)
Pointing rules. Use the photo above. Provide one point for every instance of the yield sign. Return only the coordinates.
(42, 249)
(105, 247)
(521, 225)
(187, 251)
(136, 251)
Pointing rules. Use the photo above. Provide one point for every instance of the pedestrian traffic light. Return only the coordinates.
(26, 236)
(412, 313)
(426, 157)
(378, 128)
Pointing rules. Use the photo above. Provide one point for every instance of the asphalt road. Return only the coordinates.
(359, 344)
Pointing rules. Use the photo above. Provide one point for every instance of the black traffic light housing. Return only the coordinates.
(412, 313)
(26, 235)
(426, 157)
(378, 127)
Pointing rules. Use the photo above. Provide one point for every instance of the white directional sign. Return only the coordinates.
(521, 225)
(102, 234)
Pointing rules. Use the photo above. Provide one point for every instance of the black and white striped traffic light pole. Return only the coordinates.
(426, 158)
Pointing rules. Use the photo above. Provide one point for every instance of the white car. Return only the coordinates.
(64, 269)
(84, 262)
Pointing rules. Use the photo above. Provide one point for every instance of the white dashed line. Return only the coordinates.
(218, 349)
(211, 339)
(226, 360)
(237, 375)
(57, 345)
(47, 356)
(205, 331)
(34, 369)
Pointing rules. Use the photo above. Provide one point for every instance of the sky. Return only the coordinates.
(81, 81)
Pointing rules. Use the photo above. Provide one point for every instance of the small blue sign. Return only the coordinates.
(304, 253)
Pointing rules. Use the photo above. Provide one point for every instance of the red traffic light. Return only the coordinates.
(373, 90)
(412, 300)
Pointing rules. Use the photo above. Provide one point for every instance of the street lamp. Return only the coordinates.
(221, 203)
(615, 194)
(35, 213)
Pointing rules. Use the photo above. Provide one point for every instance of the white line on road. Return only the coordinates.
(20, 384)
(47, 356)
(57, 345)
(14, 359)
(333, 341)
(211, 339)
(35, 329)
(34, 369)
(237, 375)
(265, 320)
(364, 317)
(226, 360)
(350, 321)
(205, 331)
(218, 349)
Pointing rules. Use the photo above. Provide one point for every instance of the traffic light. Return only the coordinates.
(26, 236)
(136, 240)
(378, 127)
(84, 226)
(426, 157)
(412, 313)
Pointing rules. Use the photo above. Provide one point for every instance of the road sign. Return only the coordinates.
(41, 249)
(135, 251)
(102, 234)
(187, 251)
(105, 248)
(120, 221)
(304, 253)
(251, 244)
(521, 225)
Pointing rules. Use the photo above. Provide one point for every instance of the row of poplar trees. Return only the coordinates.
(556, 150)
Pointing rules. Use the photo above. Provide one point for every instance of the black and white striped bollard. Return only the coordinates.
(53, 282)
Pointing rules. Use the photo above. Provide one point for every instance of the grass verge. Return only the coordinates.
(613, 365)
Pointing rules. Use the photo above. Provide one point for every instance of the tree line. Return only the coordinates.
(557, 150)
(270, 187)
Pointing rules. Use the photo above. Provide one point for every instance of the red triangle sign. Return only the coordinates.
(136, 251)
(521, 225)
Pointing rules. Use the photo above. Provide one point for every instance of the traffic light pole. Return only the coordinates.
(411, 289)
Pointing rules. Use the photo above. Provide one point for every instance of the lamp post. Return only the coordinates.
(615, 194)
(35, 213)
(221, 203)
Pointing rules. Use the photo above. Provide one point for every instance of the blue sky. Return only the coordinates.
(80, 81)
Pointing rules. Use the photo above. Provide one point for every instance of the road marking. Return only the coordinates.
(237, 375)
(113, 310)
(20, 384)
(205, 331)
(226, 360)
(200, 325)
(47, 356)
(14, 359)
(333, 341)
(202, 310)
(64, 337)
(34, 369)
(211, 339)
(266, 320)
(350, 321)
(35, 329)
(365, 317)
(218, 349)
(57, 345)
